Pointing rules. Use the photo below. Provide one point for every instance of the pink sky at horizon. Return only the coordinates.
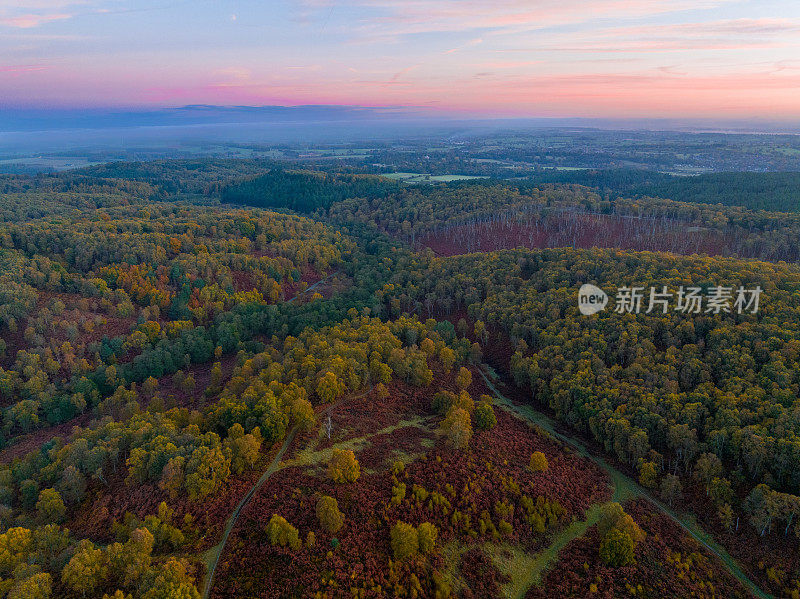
(585, 58)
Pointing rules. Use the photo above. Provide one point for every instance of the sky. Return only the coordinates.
(537, 58)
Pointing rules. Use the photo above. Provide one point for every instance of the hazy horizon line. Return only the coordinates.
(15, 119)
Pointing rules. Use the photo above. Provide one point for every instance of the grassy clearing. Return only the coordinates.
(413, 178)
(452, 552)
(515, 563)
(313, 458)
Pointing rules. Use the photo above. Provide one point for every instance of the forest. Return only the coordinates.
(757, 191)
(240, 378)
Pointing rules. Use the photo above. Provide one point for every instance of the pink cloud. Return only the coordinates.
(767, 26)
(31, 20)
(509, 64)
(23, 68)
(660, 93)
(471, 43)
(738, 34)
(408, 17)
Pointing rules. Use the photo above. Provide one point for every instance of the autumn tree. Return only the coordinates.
(329, 387)
(616, 548)
(172, 476)
(442, 401)
(612, 516)
(50, 506)
(343, 466)
(427, 534)
(281, 533)
(15, 547)
(707, 467)
(303, 414)
(206, 469)
(463, 378)
(404, 540)
(648, 475)
(28, 493)
(328, 514)
(72, 485)
(481, 333)
(86, 570)
(484, 416)
(150, 385)
(36, 586)
(171, 580)
(243, 448)
(457, 427)
(725, 515)
(671, 489)
(130, 561)
(447, 357)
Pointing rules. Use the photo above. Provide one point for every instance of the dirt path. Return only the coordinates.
(311, 287)
(212, 556)
(624, 488)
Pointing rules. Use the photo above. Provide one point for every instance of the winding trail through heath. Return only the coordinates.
(624, 488)
(213, 555)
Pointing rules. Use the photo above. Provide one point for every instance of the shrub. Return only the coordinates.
(504, 510)
(381, 391)
(398, 493)
(538, 462)
(505, 528)
(485, 418)
(426, 536)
